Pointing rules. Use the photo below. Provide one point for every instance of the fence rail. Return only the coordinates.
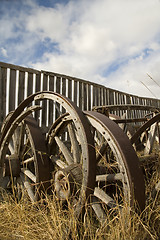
(16, 83)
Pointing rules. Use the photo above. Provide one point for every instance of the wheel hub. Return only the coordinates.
(67, 181)
(12, 166)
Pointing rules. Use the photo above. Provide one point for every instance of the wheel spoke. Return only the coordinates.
(16, 140)
(104, 197)
(109, 177)
(31, 159)
(74, 144)
(29, 174)
(58, 162)
(97, 207)
(28, 187)
(64, 150)
(11, 147)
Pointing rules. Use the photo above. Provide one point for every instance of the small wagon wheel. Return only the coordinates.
(23, 162)
(85, 141)
(118, 174)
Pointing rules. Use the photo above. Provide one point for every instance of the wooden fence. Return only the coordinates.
(16, 83)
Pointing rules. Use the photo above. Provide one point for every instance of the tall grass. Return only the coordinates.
(23, 220)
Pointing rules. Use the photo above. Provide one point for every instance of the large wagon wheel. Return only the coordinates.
(118, 175)
(23, 160)
(84, 142)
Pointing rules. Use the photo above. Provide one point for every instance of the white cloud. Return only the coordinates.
(4, 52)
(91, 36)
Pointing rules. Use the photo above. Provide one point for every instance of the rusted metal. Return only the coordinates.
(116, 138)
(126, 107)
(146, 125)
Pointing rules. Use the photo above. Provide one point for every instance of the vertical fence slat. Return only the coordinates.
(37, 89)
(81, 98)
(85, 98)
(30, 84)
(12, 90)
(44, 102)
(58, 88)
(70, 89)
(51, 103)
(21, 87)
(3, 81)
(75, 85)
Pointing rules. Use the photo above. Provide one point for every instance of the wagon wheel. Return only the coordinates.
(65, 147)
(24, 164)
(144, 127)
(118, 175)
(113, 174)
(84, 142)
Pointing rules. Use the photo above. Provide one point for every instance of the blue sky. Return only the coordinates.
(112, 42)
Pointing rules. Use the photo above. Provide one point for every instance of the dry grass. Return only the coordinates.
(23, 220)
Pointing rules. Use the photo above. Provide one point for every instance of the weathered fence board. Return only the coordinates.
(16, 83)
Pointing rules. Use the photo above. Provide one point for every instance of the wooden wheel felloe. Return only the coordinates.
(118, 174)
(24, 163)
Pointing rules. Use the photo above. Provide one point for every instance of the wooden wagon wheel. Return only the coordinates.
(23, 160)
(118, 175)
(71, 179)
(85, 141)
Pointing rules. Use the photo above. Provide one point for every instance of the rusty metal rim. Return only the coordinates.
(146, 125)
(130, 159)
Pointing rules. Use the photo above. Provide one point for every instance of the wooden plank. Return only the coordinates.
(37, 89)
(81, 96)
(51, 103)
(12, 90)
(21, 87)
(85, 98)
(98, 96)
(70, 89)
(3, 81)
(16, 67)
(88, 97)
(104, 96)
(75, 86)
(94, 96)
(44, 102)
(151, 139)
(30, 84)
(57, 105)
(64, 86)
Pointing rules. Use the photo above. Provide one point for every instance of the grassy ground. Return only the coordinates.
(23, 220)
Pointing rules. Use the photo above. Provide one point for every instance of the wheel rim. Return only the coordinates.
(127, 174)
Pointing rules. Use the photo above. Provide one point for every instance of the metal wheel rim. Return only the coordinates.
(128, 160)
